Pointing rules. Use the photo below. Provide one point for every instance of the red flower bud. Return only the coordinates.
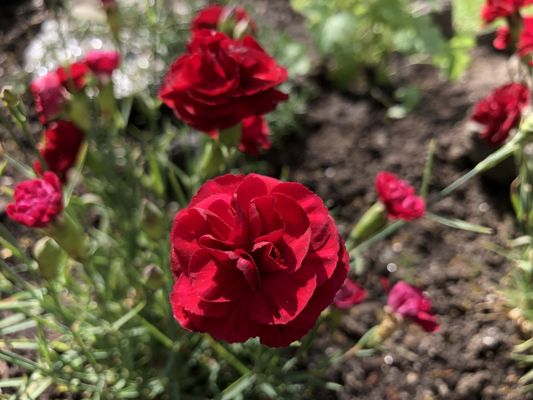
(409, 302)
(37, 202)
(399, 197)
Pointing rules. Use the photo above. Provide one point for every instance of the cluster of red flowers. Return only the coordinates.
(225, 80)
(37, 202)
(501, 111)
(251, 256)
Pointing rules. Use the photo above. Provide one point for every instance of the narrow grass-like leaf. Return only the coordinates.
(126, 317)
(18, 327)
(69, 189)
(236, 389)
(459, 224)
(12, 383)
(11, 320)
(428, 169)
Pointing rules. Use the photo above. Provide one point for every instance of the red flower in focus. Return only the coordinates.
(213, 17)
(37, 202)
(409, 302)
(525, 43)
(399, 197)
(221, 81)
(501, 111)
(254, 256)
(60, 147)
(102, 62)
(494, 9)
(350, 294)
(50, 90)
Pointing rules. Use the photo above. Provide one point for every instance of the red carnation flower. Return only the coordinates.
(51, 90)
(494, 9)
(409, 302)
(350, 294)
(213, 17)
(255, 257)
(102, 62)
(60, 147)
(501, 111)
(525, 43)
(221, 81)
(37, 202)
(399, 197)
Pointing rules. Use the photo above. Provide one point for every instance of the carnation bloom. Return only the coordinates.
(525, 42)
(102, 62)
(501, 111)
(350, 294)
(399, 197)
(37, 202)
(59, 148)
(212, 17)
(410, 303)
(494, 9)
(254, 257)
(221, 81)
(51, 90)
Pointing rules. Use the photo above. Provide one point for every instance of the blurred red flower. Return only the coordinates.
(102, 62)
(51, 90)
(59, 148)
(254, 137)
(409, 302)
(350, 294)
(399, 197)
(525, 43)
(213, 17)
(254, 256)
(37, 202)
(494, 9)
(501, 111)
(221, 81)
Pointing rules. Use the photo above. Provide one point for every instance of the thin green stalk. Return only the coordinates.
(428, 169)
(227, 356)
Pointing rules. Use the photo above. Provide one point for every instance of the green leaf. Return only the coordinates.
(459, 224)
(237, 388)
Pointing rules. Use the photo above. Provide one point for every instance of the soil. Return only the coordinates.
(346, 141)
